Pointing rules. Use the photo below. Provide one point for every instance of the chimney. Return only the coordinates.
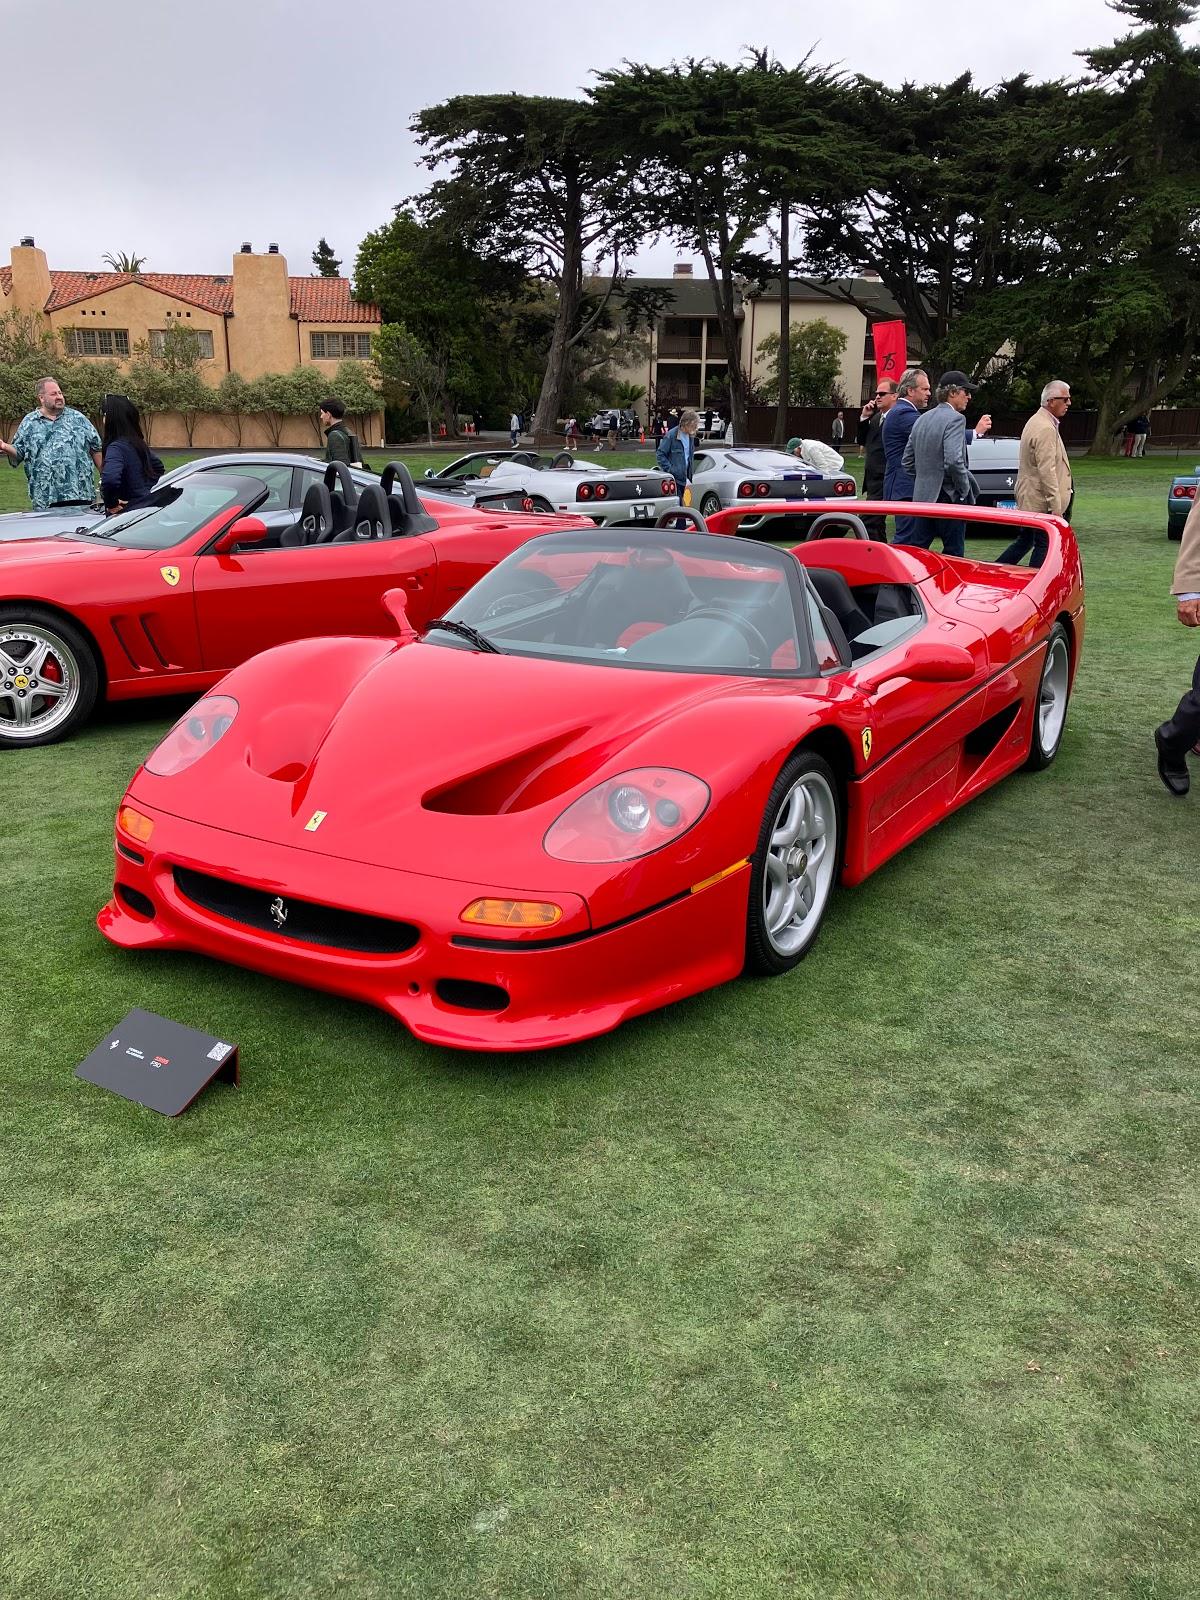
(247, 248)
(31, 285)
(272, 249)
(682, 269)
(263, 334)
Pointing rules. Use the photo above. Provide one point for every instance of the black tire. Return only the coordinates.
(540, 505)
(1055, 679)
(1175, 528)
(710, 504)
(75, 664)
(766, 955)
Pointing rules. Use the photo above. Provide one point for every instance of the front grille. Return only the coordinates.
(305, 921)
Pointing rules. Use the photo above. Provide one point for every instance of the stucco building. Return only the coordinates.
(251, 320)
(686, 349)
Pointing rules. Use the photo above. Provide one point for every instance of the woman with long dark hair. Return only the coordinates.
(131, 469)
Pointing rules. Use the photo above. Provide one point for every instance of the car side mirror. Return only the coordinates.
(246, 531)
(924, 662)
(395, 603)
(429, 472)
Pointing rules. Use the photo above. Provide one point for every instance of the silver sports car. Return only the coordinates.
(563, 482)
(729, 475)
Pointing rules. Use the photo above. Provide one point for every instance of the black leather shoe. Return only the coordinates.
(1172, 769)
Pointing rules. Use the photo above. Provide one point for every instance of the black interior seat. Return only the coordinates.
(651, 591)
(371, 520)
(343, 497)
(315, 521)
(836, 596)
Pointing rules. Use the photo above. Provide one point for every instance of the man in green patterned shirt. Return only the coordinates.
(57, 446)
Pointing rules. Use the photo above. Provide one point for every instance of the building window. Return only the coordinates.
(340, 346)
(98, 341)
(202, 336)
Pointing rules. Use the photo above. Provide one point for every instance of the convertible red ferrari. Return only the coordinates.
(623, 768)
(166, 598)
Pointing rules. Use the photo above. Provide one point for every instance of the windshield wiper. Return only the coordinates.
(466, 631)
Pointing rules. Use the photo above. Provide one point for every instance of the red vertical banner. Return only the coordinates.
(891, 350)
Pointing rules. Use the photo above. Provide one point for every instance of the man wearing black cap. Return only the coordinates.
(936, 456)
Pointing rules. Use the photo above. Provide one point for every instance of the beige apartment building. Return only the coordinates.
(251, 320)
(686, 349)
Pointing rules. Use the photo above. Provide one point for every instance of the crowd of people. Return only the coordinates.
(59, 448)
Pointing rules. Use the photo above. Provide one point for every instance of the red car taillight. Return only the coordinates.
(601, 491)
(584, 492)
(1184, 491)
(193, 735)
(843, 488)
(745, 490)
(527, 504)
(764, 488)
(668, 486)
(628, 816)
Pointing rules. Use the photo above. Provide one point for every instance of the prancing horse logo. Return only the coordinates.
(278, 911)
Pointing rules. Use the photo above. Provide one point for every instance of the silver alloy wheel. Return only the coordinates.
(710, 505)
(801, 859)
(40, 681)
(1052, 693)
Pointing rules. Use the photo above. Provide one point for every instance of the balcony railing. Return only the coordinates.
(674, 345)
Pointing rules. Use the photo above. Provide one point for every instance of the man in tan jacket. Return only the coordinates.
(1043, 472)
(1176, 737)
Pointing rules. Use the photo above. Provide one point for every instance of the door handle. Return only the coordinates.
(413, 581)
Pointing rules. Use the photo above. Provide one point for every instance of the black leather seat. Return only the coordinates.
(653, 590)
(315, 522)
(836, 597)
(343, 497)
(372, 519)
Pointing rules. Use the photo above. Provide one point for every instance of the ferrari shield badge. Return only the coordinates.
(314, 822)
(171, 574)
(867, 742)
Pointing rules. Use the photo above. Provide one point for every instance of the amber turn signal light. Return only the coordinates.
(135, 824)
(513, 913)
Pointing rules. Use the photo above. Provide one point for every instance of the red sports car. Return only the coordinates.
(625, 767)
(166, 598)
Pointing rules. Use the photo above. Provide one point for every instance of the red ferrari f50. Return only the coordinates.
(623, 768)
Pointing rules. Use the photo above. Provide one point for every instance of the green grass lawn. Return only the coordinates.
(876, 1280)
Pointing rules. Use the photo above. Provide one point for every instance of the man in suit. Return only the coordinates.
(936, 459)
(912, 396)
(1176, 737)
(870, 436)
(1043, 472)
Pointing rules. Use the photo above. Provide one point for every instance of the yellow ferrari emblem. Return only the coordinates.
(315, 821)
(171, 574)
(21, 681)
(867, 741)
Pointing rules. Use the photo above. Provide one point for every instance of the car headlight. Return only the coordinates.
(196, 732)
(628, 816)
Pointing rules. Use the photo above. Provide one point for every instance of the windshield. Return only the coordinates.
(770, 461)
(180, 510)
(662, 600)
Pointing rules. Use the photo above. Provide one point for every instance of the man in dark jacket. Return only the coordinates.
(912, 397)
(340, 443)
(870, 436)
(677, 452)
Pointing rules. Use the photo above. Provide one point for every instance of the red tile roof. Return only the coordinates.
(328, 300)
(312, 299)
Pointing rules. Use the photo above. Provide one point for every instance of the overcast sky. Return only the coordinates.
(178, 130)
